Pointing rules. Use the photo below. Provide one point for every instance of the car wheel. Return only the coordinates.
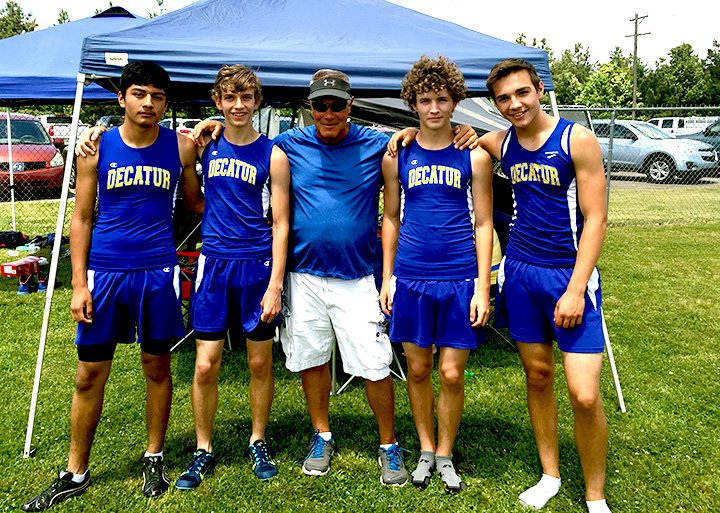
(659, 169)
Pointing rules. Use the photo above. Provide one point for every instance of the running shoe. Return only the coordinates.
(155, 480)
(392, 467)
(202, 463)
(317, 461)
(60, 489)
(263, 465)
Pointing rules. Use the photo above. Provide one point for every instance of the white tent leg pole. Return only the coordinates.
(613, 368)
(27, 452)
(554, 104)
(10, 167)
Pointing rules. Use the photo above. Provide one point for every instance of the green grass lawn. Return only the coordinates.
(662, 307)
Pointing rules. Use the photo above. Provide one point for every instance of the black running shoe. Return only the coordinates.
(155, 481)
(60, 489)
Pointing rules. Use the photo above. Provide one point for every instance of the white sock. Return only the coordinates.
(76, 478)
(326, 435)
(537, 496)
(386, 446)
(152, 454)
(597, 506)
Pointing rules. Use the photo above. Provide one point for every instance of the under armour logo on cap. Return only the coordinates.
(333, 87)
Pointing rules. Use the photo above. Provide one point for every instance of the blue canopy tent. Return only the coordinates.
(375, 42)
(285, 41)
(42, 66)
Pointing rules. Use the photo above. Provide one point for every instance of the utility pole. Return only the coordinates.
(637, 20)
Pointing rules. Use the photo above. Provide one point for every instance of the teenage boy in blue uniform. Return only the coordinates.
(124, 272)
(239, 276)
(436, 265)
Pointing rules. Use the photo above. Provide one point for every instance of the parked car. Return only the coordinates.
(711, 135)
(678, 126)
(109, 121)
(58, 128)
(37, 164)
(644, 148)
(182, 125)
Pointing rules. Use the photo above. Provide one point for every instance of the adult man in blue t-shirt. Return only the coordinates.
(331, 294)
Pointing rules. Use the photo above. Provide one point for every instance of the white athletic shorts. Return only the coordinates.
(320, 311)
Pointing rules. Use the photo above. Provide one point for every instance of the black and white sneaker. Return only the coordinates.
(60, 489)
(155, 481)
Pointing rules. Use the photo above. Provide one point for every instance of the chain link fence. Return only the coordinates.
(32, 165)
(665, 172)
(662, 164)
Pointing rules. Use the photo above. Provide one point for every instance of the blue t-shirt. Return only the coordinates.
(237, 197)
(136, 191)
(547, 222)
(436, 239)
(335, 192)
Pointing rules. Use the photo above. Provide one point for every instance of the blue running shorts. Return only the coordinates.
(227, 294)
(130, 302)
(436, 313)
(527, 295)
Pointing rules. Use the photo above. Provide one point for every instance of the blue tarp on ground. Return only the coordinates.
(42, 66)
(375, 42)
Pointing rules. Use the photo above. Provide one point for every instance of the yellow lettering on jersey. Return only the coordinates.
(120, 177)
(434, 175)
(111, 179)
(554, 179)
(533, 172)
(128, 178)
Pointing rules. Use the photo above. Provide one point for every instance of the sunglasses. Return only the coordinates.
(335, 106)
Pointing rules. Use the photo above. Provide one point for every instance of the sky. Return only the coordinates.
(562, 24)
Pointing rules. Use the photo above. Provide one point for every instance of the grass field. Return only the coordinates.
(662, 307)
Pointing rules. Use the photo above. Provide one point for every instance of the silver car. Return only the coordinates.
(644, 148)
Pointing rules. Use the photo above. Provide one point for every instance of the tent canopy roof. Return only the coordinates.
(374, 41)
(42, 66)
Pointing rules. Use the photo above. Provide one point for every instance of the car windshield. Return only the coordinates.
(651, 131)
(24, 131)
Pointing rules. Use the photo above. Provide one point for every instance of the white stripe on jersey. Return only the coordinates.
(572, 210)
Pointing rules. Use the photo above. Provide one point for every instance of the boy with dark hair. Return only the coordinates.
(436, 265)
(124, 272)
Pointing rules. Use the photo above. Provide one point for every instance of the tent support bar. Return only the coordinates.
(28, 451)
(554, 104)
(11, 168)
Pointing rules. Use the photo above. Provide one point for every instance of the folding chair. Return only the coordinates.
(187, 261)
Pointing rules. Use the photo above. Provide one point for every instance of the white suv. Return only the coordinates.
(58, 127)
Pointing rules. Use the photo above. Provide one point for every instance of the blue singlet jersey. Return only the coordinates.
(136, 190)
(237, 196)
(547, 222)
(436, 239)
(335, 192)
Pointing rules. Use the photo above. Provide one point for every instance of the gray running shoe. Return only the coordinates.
(392, 469)
(449, 477)
(317, 461)
(424, 470)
